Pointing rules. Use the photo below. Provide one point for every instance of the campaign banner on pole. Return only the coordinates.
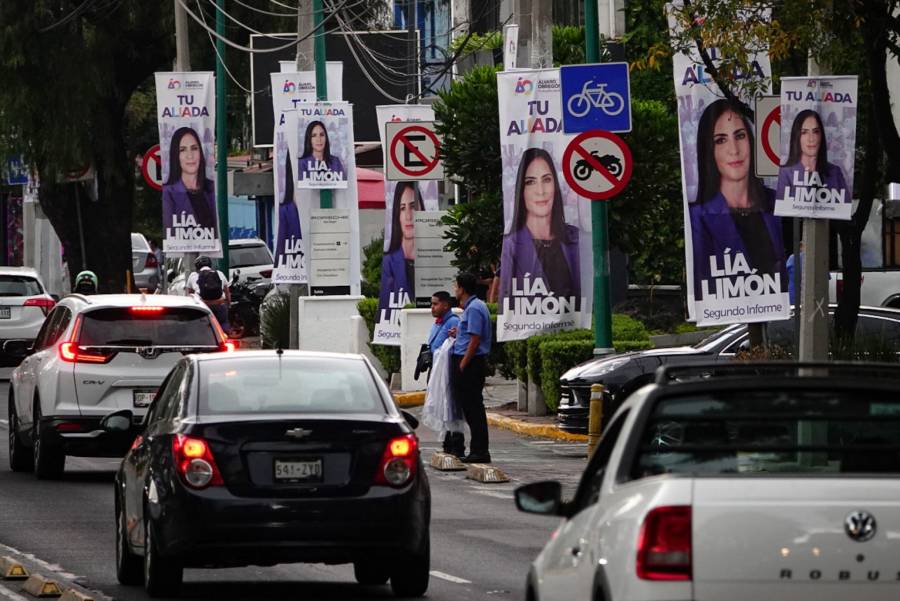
(186, 116)
(323, 145)
(402, 201)
(734, 249)
(818, 146)
(545, 264)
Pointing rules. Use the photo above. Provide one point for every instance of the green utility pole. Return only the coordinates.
(321, 78)
(599, 217)
(221, 136)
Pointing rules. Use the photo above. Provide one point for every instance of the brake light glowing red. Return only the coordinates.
(664, 544)
(229, 345)
(45, 304)
(70, 352)
(146, 310)
(194, 462)
(399, 462)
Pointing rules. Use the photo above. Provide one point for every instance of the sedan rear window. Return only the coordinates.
(772, 431)
(287, 385)
(123, 326)
(247, 256)
(19, 285)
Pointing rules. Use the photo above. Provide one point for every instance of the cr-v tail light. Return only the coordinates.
(229, 345)
(664, 544)
(151, 261)
(194, 462)
(399, 461)
(72, 353)
(45, 304)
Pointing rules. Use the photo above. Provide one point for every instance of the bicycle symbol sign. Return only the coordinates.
(597, 164)
(596, 97)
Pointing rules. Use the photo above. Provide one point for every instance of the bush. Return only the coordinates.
(388, 355)
(371, 269)
(557, 356)
(275, 322)
(628, 328)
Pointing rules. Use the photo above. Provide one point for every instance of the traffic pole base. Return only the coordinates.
(482, 472)
(10, 569)
(41, 586)
(445, 462)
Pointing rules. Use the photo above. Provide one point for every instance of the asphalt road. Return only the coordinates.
(481, 546)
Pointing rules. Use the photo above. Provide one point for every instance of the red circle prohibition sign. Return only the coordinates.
(774, 116)
(151, 155)
(429, 163)
(618, 183)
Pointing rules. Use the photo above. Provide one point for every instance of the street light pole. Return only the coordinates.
(221, 134)
(599, 215)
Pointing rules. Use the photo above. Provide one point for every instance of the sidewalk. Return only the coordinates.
(500, 401)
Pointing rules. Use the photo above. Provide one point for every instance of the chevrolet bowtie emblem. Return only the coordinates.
(298, 433)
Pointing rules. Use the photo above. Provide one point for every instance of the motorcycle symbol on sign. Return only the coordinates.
(583, 169)
(610, 103)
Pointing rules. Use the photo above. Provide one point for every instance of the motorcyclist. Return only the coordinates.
(210, 286)
(85, 283)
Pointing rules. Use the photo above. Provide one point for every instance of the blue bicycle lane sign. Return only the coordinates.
(596, 96)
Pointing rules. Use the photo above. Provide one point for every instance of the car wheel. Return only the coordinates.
(20, 457)
(128, 565)
(411, 577)
(162, 575)
(49, 460)
(370, 572)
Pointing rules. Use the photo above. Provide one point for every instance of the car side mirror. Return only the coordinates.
(543, 498)
(117, 422)
(17, 348)
(410, 419)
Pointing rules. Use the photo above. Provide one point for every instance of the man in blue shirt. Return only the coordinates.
(445, 321)
(468, 365)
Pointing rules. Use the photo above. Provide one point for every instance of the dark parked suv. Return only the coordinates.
(622, 374)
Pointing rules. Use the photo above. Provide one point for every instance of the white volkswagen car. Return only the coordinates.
(24, 303)
(735, 482)
(94, 355)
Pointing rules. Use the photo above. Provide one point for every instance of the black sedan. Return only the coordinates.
(623, 374)
(261, 458)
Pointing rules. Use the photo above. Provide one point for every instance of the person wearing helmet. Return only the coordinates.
(211, 287)
(85, 283)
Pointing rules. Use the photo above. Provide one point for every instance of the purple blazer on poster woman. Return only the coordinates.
(175, 201)
(393, 278)
(518, 257)
(834, 178)
(713, 230)
(288, 228)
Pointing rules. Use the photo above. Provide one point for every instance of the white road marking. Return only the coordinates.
(449, 578)
(496, 495)
(12, 596)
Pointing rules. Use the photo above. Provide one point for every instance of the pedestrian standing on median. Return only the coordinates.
(440, 412)
(211, 287)
(468, 365)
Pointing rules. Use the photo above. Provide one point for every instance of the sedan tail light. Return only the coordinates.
(266, 273)
(194, 462)
(72, 353)
(45, 304)
(229, 345)
(399, 461)
(151, 261)
(664, 544)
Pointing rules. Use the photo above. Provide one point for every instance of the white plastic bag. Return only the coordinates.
(440, 413)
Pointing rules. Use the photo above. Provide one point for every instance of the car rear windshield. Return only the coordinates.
(123, 326)
(246, 256)
(772, 431)
(287, 385)
(19, 285)
(138, 242)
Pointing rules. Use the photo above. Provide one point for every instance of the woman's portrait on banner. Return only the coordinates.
(540, 246)
(806, 175)
(319, 166)
(733, 228)
(188, 191)
(398, 262)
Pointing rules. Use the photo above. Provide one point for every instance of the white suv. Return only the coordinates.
(94, 355)
(24, 303)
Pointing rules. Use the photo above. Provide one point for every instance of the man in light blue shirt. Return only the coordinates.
(468, 365)
(444, 320)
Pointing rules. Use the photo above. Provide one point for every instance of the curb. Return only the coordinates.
(406, 400)
(535, 430)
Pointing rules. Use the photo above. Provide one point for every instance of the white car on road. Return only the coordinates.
(95, 355)
(24, 303)
(735, 482)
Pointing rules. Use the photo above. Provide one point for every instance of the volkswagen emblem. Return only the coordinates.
(148, 352)
(298, 433)
(860, 525)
